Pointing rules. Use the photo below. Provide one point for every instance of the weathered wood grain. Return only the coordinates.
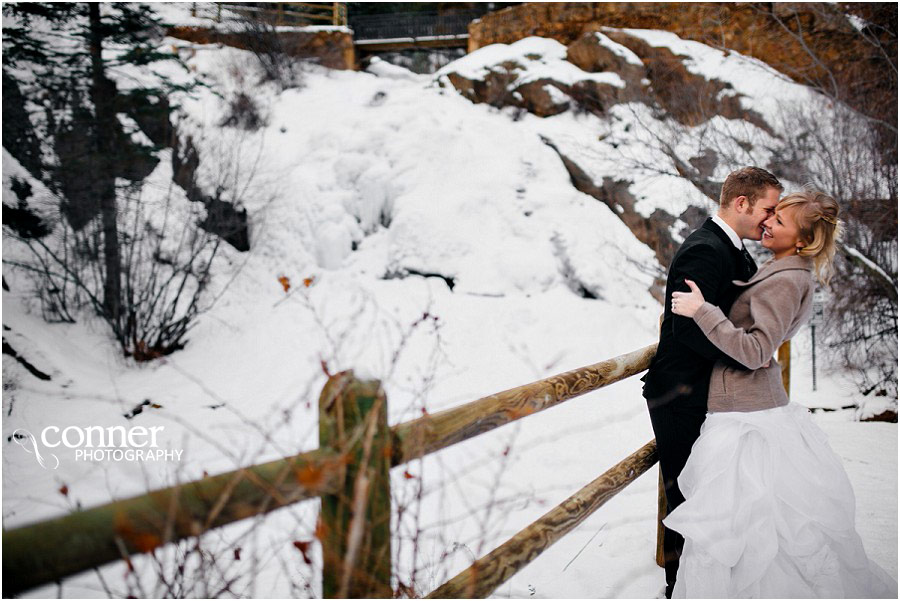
(48, 551)
(433, 432)
(661, 512)
(784, 359)
(355, 521)
(484, 576)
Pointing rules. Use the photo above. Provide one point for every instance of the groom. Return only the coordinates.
(677, 383)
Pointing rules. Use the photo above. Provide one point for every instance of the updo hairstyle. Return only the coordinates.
(817, 219)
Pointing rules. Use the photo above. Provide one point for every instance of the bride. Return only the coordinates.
(769, 511)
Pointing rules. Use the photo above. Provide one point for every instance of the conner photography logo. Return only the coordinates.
(96, 443)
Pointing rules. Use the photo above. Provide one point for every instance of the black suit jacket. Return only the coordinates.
(680, 371)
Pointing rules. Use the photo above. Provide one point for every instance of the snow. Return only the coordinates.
(618, 49)
(413, 40)
(418, 180)
(42, 201)
(534, 59)
(869, 264)
(218, 16)
(634, 139)
(762, 88)
(382, 68)
(557, 96)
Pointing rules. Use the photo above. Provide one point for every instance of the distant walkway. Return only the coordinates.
(389, 32)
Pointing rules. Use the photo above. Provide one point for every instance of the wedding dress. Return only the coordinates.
(769, 513)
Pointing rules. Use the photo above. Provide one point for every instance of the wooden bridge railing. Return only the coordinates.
(411, 25)
(350, 472)
(278, 13)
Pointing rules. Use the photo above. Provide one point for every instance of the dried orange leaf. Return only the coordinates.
(321, 529)
(309, 476)
(285, 282)
(303, 547)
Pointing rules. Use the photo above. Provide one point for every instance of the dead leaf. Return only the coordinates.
(309, 476)
(138, 539)
(303, 547)
(321, 529)
(285, 282)
(308, 281)
(64, 490)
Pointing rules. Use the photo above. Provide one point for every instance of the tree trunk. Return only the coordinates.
(102, 96)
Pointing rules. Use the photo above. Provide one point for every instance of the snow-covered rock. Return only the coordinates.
(369, 194)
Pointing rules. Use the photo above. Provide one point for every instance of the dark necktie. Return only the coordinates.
(749, 263)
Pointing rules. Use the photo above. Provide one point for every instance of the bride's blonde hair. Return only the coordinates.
(817, 219)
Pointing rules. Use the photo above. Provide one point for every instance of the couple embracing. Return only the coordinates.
(758, 503)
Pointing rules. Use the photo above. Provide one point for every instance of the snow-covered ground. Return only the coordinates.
(358, 180)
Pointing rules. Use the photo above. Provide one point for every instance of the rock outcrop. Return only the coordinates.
(600, 69)
(536, 75)
(593, 53)
(848, 49)
(332, 48)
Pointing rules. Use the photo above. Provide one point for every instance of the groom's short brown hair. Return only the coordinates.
(751, 182)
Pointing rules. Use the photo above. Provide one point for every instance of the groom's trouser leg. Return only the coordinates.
(676, 430)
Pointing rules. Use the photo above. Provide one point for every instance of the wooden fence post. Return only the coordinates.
(355, 523)
(784, 359)
(661, 511)
(661, 506)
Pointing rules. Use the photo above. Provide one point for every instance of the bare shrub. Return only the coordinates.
(166, 260)
(243, 112)
(274, 54)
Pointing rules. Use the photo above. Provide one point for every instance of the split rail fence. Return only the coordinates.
(350, 472)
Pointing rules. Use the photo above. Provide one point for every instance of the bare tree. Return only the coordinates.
(842, 139)
(846, 145)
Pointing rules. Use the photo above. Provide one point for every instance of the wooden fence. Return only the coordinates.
(350, 471)
(277, 13)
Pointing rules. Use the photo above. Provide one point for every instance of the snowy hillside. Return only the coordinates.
(399, 230)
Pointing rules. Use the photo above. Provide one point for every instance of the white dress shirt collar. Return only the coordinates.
(735, 239)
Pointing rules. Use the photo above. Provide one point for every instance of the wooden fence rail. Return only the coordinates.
(434, 432)
(501, 564)
(51, 550)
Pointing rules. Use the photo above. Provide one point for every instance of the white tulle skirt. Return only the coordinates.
(769, 513)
